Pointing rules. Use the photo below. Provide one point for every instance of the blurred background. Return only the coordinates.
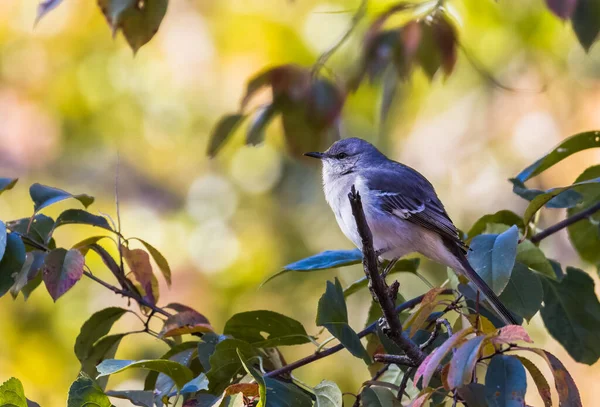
(74, 102)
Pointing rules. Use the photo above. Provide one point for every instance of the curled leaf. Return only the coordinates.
(186, 321)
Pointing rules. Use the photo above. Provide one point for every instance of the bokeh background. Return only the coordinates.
(74, 103)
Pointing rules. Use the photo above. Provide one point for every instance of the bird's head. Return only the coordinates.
(346, 156)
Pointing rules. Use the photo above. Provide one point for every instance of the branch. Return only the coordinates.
(395, 359)
(379, 288)
(334, 349)
(564, 223)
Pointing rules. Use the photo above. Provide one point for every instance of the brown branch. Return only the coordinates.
(334, 349)
(379, 288)
(395, 359)
(564, 223)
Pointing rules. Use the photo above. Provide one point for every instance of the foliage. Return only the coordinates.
(435, 360)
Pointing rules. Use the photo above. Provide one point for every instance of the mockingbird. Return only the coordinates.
(401, 207)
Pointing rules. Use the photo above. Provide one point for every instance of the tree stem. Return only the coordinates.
(564, 223)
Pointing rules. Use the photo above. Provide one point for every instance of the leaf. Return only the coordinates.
(510, 334)
(503, 217)
(98, 325)
(44, 196)
(12, 394)
(539, 201)
(562, 8)
(256, 130)
(324, 103)
(405, 265)
(105, 348)
(493, 257)
(139, 264)
(186, 321)
(28, 272)
(136, 397)
(164, 386)
(422, 398)
(81, 217)
(585, 234)
(85, 245)
(12, 262)
(571, 145)
(266, 329)
(159, 259)
(585, 22)
(37, 229)
(7, 184)
(179, 373)
(533, 257)
(539, 380)
(328, 394)
(224, 128)
(428, 53)
(378, 397)
(505, 382)
(446, 39)
(198, 383)
(433, 360)
(206, 347)
(463, 362)
(571, 312)
(333, 315)
(568, 395)
(247, 389)
(84, 392)
(225, 362)
(428, 304)
(323, 261)
(473, 394)
(524, 293)
(62, 269)
(45, 7)
(3, 235)
(563, 199)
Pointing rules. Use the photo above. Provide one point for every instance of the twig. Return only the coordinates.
(564, 223)
(334, 349)
(400, 360)
(404, 383)
(379, 288)
(360, 12)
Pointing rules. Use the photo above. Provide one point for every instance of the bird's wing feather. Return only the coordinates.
(405, 193)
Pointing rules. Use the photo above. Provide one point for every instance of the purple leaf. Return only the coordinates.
(62, 269)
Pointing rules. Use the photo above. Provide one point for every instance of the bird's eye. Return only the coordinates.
(341, 156)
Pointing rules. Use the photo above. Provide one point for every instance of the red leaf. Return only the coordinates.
(510, 334)
(562, 8)
(247, 389)
(445, 36)
(428, 303)
(62, 269)
(139, 264)
(290, 82)
(463, 362)
(186, 321)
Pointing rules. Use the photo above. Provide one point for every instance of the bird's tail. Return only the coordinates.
(487, 292)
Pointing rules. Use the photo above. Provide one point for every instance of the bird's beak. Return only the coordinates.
(315, 155)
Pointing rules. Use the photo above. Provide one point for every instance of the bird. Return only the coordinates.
(402, 210)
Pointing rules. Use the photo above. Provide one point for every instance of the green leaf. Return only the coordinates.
(493, 257)
(274, 393)
(378, 397)
(12, 394)
(138, 21)
(568, 394)
(405, 265)
(266, 329)
(563, 199)
(542, 199)
(504, 217)
(44, 196)
(571, 312)
(12, 262)
(3, 236)
(84, 392)
(463, 362)
(198, 383)
(256, 130)
(139, 264)
(585, 24)
(174, 353)
(473, 394)
(328, 394)
(81, 217)
(539, 380)
(165, 386)
(62, 269)
(323, 261)
(38, 230)
(221, 132)
(136, 397)
(206, 347)
(105, 348)
(523, 294)
(585, 234)
(30, 275)
(159, 259)
(7, 184)
(179, 373)
(333, 315)
(225, 362)
(84, 246)
(505, 382)
(534, 258)
(97, 326)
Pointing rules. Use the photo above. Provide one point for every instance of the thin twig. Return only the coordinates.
(400, 360)
(334, 349)
(404, 383)
(379, 288)
(564, 223)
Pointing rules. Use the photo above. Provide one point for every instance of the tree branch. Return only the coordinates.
(564, 223)
(379, 288)
(334, 349)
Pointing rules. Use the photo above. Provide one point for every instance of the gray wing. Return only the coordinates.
(405, 193)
